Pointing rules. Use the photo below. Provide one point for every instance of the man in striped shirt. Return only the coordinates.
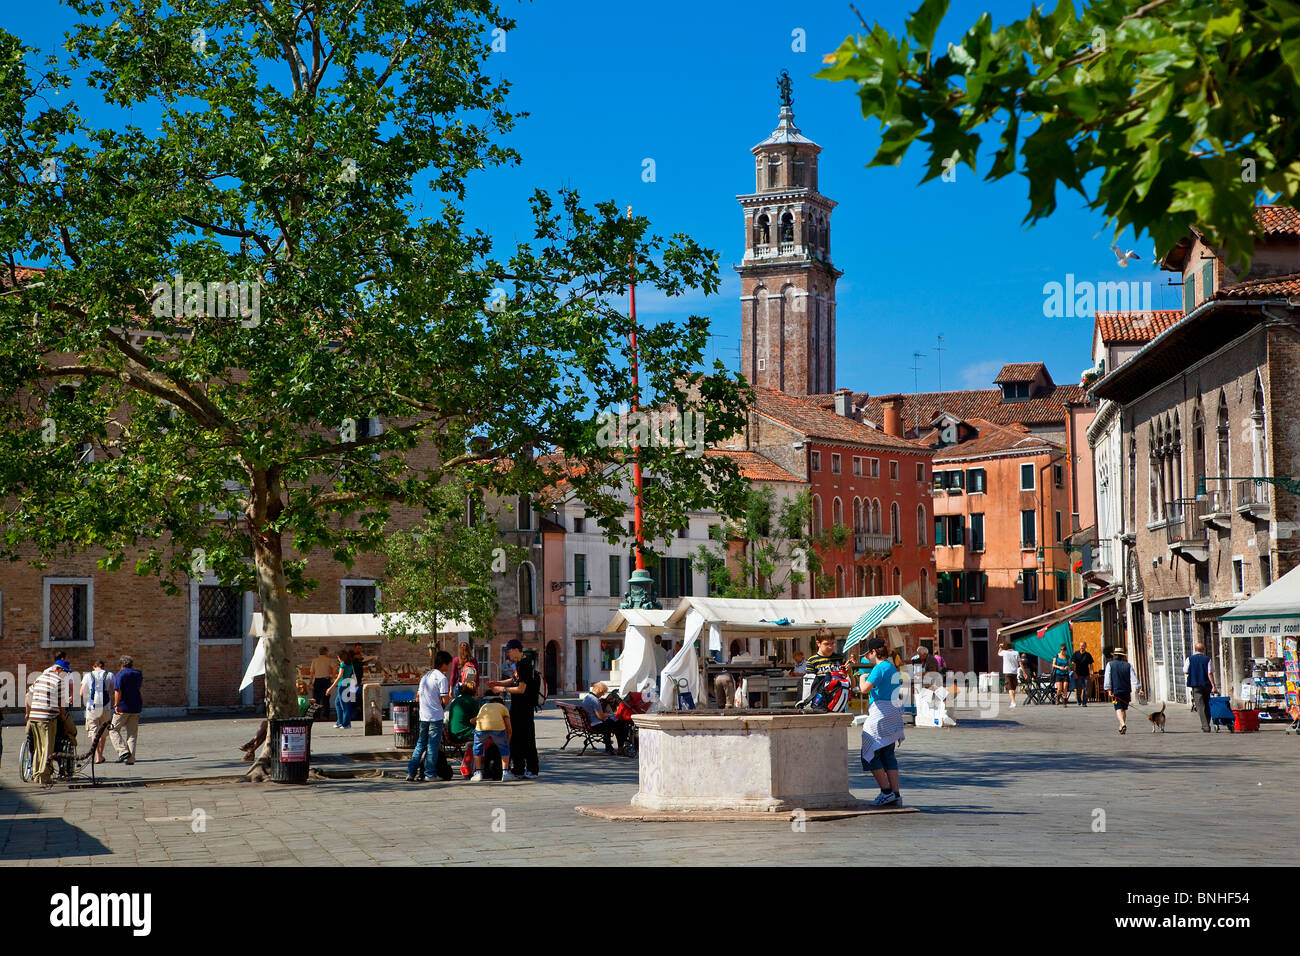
(47, 704)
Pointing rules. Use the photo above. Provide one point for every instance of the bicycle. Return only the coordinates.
(68, 764)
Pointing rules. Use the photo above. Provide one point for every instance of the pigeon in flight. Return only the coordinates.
(1124, 257)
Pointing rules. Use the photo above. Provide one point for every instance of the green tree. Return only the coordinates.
(443, 569)
(777, 548)
(283, 150)
(1183, 109)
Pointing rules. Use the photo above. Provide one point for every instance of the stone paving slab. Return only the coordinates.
(1038, 785)
(621, 813)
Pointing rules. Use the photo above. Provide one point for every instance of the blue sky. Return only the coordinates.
(692, 87)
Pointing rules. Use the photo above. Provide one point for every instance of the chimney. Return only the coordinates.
(892, 406)
(844, 403)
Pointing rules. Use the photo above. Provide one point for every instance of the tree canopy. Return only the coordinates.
(250, 343)
(1183, 108)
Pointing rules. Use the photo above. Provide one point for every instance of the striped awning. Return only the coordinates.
(869, 622)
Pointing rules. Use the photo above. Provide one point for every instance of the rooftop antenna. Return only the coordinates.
(938, 356)
(916, 370)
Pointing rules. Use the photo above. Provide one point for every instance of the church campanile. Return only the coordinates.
(787, 298)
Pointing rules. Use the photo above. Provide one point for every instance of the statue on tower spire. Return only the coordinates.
(783, 84)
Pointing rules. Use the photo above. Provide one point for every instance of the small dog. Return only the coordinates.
(1157, 720)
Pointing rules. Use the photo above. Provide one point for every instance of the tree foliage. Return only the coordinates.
(444, 569)
(288, 150)
(1184, 109)
(768, 549)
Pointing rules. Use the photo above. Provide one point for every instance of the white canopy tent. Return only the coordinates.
(747, 617)
(758, 617)
(637, 664)
(332, 627)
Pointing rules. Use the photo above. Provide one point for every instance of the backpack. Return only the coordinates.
(830, 692)
(541, 692)
(492, 769)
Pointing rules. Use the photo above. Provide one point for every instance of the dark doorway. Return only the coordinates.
(1138, 652)
(551, 666)
(579, 663)
(979, 649)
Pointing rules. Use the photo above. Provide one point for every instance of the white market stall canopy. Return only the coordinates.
(1273, 612)
(655, 622)
(323, 626)
(758, 617)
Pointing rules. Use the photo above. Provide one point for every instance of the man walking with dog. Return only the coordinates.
(1200, 681)
(1121, 683)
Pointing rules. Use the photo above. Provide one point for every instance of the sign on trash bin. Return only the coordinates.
(293, 744)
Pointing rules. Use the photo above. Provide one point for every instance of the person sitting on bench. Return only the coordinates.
(602, 721)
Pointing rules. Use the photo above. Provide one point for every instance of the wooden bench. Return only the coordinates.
(578, 724)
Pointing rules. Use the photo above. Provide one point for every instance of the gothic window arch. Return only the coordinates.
(898, 581)
(773, 170)
(837, 512)
(920, 525)
(857, 516)
(1224, 458)
(762, 230)
(1259, 437)
(875, 516)
(839, 581)
(860, 578)
(816, 515)
(895, 522)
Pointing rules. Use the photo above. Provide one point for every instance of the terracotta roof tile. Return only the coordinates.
(992, 438)
(1020, 372)
(755, 467)
(920, 408)
(23, 273)
(811, 418)
(1277, 220)
(1268, 287)
(1134, 328)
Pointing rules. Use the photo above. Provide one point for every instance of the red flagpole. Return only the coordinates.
(636, 402)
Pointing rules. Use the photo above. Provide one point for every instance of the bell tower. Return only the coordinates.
(787, 299)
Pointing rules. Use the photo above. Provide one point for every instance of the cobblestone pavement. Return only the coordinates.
(1025, 787)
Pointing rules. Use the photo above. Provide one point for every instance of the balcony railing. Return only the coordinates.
(1252, 495)
(867, 542)
(1182, 521)
(786, 248)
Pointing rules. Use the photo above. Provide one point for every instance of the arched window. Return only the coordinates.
(787, 227)
(762, 230)
(895, 523)
(816, 515)
(860, 579)
(837, 512)
(925, 588)
(839, 581)
(1223, 437)
(875, 516)
(898, 581)
(526, 603)
(1198, 443)
(1259, 438)
(880, 580)
(857, 516)
(920, 525)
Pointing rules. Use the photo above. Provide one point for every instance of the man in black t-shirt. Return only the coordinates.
(1082, 661)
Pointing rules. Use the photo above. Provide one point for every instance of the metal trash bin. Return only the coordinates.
(290, 740)
(406, 721)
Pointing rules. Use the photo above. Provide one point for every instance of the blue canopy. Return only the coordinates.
(1048, 644)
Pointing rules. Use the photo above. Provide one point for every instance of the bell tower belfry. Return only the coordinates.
(787, 294)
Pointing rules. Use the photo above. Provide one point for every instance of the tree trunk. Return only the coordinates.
(268, 557)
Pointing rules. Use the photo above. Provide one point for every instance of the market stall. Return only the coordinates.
(769, 629)
(1264, 632)
(336, 630)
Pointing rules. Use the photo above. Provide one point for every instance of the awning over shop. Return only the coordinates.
(1273, 612)
(758, 617)
(867, 624)
(1084, 610)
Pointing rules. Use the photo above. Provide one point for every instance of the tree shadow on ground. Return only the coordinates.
(24, 837)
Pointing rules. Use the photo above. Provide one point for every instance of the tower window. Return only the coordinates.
(787, 228)
(762, 231)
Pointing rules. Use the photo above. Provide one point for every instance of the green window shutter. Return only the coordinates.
(615, 575)
(580, 575)
(938, 531)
